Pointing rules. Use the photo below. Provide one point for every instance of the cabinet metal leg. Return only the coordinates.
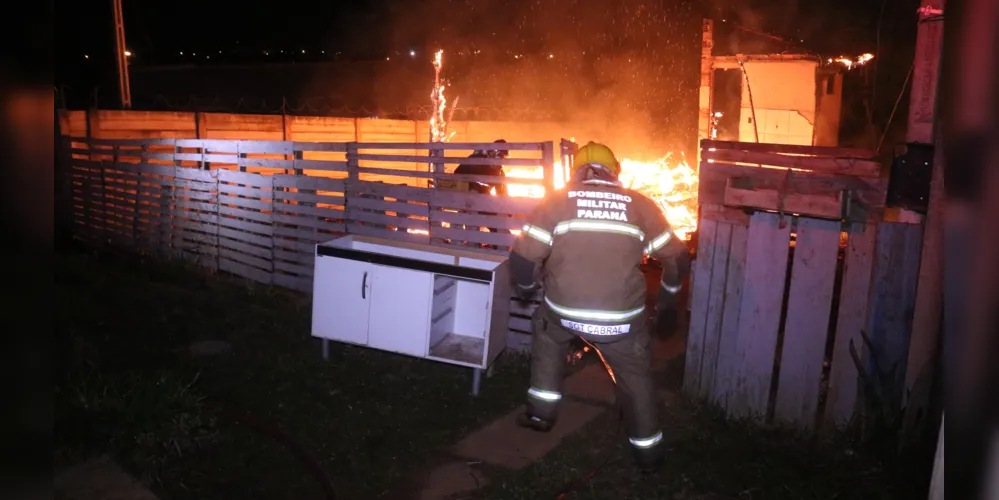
(476, 380)
(326, 349)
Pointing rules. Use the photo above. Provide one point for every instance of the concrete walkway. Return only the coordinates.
(501, 443)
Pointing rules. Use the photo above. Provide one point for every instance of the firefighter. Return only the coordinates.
(490, 170)
(584, 244)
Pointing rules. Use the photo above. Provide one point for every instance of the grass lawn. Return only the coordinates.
(712, 458)
(129, 387)
(708, 459)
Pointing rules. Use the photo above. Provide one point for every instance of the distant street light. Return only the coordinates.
(128, 53)
(412, 53)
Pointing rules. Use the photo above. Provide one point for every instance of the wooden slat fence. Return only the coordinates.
(257, 208)
(794, 268)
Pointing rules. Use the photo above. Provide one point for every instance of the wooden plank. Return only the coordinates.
(309, 236)
(270, 163)
(489, 179)
(210, 144)
(195, 186)
(335, 227)
(306, 182)
(759, 315)
(354, 228)
(476, 220)
(716, 305)
(714, 177)
(308, 197)
(258, 251)
(193, 174)
(763, 147)
(504, 240)
(891, 310)
(244, 236)
(831, 165)
(844, 381)
(502, 251)
(719, 213)
(439, 146)
(446, 199)
(292, 268)
(251, 180)
(148, 168)
(336, 147)
(306, 259)
(827, 206)
(700, 296)
(229, 213)
(388, 220)
(249, 192)
(398, 207)
(813, 275)
(245, 271)
(125, 142)
(245, 202)
(305, 210)
(483, 203)
(727, 338)
(265, 147)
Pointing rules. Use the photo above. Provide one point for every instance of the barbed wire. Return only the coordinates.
(67, 98)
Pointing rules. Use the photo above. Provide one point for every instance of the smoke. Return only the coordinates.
(625, 72)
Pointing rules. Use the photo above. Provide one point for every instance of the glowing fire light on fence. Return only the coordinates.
(670, 183)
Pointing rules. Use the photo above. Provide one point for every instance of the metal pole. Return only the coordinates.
(119, 35)
(928, 309)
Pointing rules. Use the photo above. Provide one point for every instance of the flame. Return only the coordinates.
(850, 63)
(438, 125)
(671, 184)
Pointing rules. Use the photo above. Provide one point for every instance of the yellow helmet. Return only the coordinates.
(596, 153)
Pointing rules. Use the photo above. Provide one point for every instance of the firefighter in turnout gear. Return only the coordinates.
(490, 170)
(584, 243)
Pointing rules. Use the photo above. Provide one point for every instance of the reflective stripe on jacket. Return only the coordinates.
(590, 238)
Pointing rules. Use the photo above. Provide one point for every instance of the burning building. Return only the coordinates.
(772, 98)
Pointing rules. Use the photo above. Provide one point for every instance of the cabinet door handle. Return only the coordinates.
(364, 284)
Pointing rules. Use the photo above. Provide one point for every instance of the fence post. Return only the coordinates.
(63, 170)
(548, 165)
(353, 176)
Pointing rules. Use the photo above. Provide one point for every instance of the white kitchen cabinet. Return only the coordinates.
(438, 303)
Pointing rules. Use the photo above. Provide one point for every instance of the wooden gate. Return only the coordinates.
(782, 284)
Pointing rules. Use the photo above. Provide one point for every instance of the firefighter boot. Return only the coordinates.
(649, 460)
(534, 423)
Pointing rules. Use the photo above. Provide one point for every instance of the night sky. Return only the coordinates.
(559, 57)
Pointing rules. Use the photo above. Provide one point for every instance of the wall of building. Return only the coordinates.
(783, 95)
(104, 124)
(829, 97)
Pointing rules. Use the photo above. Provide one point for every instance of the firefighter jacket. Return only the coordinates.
(589, 240)
(490, 170)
